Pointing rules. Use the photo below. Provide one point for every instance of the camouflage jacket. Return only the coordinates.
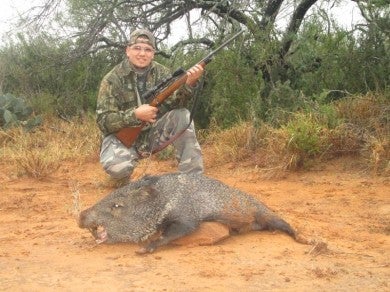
(118, 96)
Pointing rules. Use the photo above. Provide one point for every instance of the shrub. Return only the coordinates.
(306, 138)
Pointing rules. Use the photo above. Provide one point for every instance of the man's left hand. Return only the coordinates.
(193, 74)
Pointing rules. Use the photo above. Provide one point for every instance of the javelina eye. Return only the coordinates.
(117, 205)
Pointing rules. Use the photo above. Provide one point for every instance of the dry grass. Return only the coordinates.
(234, 144)
(368, 122)
(365, 133)
(39, 153)
(264, 148)
(76, 207)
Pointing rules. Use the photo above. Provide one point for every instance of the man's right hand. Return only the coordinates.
(146, 113)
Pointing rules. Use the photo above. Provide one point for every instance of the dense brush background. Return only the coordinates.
(327, 97)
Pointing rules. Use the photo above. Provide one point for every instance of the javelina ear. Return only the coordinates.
(144, 194)
(149, 192)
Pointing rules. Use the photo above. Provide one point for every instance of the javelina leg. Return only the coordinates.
(272, 222)
(172, 231)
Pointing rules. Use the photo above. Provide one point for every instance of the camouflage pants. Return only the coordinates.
(119, 161)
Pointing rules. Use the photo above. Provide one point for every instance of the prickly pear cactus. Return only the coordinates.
(14, 111)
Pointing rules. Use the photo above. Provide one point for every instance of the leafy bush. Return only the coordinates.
(306, 138)
(232, 89)
(281, 102)
(35, 67)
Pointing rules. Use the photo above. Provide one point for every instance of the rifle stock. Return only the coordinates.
(128, 135)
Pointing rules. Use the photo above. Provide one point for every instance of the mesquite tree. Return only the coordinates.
(266, 65)
(96, 25)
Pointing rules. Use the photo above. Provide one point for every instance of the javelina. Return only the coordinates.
(158, 209)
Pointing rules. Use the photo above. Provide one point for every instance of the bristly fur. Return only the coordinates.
(174, 205)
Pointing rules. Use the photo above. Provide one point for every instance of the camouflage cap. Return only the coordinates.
(142, 33)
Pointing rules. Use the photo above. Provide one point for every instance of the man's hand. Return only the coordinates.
(193, 74)
(146, 113)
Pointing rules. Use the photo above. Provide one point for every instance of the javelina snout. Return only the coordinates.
(86, 220)
(82, 219)
(160, 209)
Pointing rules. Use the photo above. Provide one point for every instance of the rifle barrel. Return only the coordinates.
(207, 59)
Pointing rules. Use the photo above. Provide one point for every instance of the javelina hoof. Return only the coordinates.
(144, 250)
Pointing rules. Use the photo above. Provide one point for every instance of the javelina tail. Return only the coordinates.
(273, 222)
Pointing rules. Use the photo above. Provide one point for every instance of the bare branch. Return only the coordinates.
(294, 25)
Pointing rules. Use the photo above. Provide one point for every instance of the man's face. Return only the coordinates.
(140, 54)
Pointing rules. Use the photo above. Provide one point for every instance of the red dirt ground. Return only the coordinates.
(345, 211)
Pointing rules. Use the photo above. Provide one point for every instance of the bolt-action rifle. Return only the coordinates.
(162, 91)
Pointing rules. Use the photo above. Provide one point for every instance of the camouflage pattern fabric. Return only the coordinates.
(119, 161)
(145, 33)
(119, 97)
